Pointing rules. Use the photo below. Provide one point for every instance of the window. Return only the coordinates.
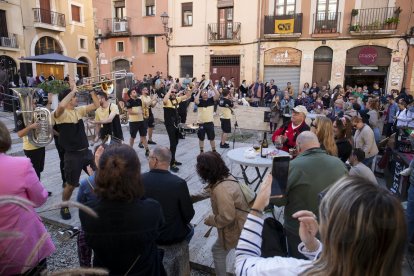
(47, 45)
(150, 44)
(82, 43)
(76, 13)
(119, 7)
(187, 14)
(3, 24)
(284, 7)
(186, 66)
(149, 7)
(119, 46)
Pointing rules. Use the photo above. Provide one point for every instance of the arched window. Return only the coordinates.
(47, 45)
(83, 69)
(121, 64)
(323, 53)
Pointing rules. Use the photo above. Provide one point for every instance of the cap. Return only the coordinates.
(301, 109)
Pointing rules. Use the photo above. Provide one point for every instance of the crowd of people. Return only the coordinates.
(143, 225)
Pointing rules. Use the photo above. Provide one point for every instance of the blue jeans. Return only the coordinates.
(368, 161)
(409, 212)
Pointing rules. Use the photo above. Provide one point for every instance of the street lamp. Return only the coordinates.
(167, 33)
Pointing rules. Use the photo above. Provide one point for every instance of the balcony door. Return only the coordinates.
(225, 23)
(45, 12)
(3, 24)
(285, 7)
(327, 15)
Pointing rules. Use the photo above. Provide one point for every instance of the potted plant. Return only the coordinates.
(390, 22)
(354, 12)
(355, 28)
(53, 88)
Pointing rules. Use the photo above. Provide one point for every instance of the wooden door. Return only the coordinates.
(45, 11)
(322, 72)
(48, 69)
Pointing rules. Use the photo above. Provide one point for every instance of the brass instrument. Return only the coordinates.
(105, 82)
(43, 135)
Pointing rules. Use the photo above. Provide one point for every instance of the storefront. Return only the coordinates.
(366, 65)
(283, 65)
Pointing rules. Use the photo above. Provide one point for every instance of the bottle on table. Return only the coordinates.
(263, 146)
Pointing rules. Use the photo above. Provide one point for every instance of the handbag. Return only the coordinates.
(248, 194)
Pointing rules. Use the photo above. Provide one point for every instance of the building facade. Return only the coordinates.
(216, 38)
(31, 28)
(130, 36)
(332, 42)
(337, 42)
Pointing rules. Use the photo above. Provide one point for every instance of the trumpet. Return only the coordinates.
(105, 82)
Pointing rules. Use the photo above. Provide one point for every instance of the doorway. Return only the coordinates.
(83, 69)
(45, 14)
(226, 66)
(322, 66)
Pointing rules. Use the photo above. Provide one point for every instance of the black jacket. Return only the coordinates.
(172, 193)
(344, 149)
(122, 232)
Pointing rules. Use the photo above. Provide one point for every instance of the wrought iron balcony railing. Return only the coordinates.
(283, 24)
(224, 32)
(375, 19)
(9, 41)
(49, 17)
(117, 26)
(326, 22)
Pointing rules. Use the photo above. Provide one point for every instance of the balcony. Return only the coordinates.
(9, 41)
(116, 27)
(283, 26)
(376, 21)
(326, 23)
(49, 20)
(224, 33)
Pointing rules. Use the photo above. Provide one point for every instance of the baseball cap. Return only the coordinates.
(301, 109)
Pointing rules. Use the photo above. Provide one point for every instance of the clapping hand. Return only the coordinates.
(308, 228)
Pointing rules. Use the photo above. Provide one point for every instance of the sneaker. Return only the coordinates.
(150, 142)
(174, 168)
(140, 145)
(65, 213)
(224, 146)
(177, 163)
(406, 172)
(147, 152)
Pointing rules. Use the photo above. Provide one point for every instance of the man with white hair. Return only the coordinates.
(288, 133)
(310, 173)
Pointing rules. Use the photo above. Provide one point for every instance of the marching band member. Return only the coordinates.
(206, 116)
(137, 123)
(226, 105)
(172, 120)
(149, 102)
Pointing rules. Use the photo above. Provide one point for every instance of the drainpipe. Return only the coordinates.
(259, 24)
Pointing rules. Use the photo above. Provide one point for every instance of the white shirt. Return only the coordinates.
(363, 171)
(405, 118)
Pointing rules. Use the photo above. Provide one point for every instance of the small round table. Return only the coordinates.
(237, 156)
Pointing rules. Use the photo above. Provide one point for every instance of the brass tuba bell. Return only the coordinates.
(43, 135)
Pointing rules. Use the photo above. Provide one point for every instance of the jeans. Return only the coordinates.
(368, 162)
(219, 257)
(409, 212)
(377, 135)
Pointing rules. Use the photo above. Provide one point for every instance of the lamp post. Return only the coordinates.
(98, 42)
(167, 33)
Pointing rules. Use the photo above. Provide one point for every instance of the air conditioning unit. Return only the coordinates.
(8, 42)
(120, 26)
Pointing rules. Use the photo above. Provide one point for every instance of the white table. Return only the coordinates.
(238, 156)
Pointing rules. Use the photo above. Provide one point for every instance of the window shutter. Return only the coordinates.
(75, 13)
(119, 4)
(225, 3)
(187, 6)
(150, 3)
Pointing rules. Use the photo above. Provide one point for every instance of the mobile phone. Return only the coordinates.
(280, 171)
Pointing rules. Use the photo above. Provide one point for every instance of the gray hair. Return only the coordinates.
(163, 154)
(307, 140)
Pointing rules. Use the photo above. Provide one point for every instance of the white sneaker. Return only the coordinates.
(406, 172)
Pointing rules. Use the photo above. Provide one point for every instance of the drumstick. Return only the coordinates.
(207, 234)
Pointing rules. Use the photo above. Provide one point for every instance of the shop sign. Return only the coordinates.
(283, 56)
(284, 26)
(367, 55)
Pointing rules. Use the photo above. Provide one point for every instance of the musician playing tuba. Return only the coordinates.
(36, 154)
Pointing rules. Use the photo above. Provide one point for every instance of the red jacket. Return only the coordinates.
(290, 133)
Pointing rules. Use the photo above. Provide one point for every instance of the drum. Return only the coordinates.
(188, 128)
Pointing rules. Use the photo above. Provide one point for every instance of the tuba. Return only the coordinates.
(43, 135)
